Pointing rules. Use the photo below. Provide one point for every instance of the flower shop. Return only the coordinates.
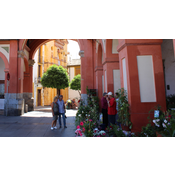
(89, 120)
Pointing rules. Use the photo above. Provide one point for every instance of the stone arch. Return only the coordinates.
(39, 42)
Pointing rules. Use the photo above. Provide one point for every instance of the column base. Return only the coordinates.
(139, 120)
(13, 104)
(29, 101)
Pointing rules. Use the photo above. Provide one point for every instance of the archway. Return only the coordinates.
(31, 46)
(3, 68)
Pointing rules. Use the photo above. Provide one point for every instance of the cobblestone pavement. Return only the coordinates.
(36, 124)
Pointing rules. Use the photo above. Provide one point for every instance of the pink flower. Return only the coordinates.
(81, 134)
(81, 123)
(103, 134)
(90, 120)
(83, 129)
(78, 127)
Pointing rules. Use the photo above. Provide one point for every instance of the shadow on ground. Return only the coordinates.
(36, 124)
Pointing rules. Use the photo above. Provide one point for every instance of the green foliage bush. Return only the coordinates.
(55, 77)
(123, 108)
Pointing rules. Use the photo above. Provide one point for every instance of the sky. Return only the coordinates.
(74, 49)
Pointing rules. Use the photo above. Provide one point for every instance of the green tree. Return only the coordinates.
(76, 83)
(55, 77)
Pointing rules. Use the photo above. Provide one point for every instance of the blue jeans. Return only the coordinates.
(111, 120)
(64, 120)
(116, 120)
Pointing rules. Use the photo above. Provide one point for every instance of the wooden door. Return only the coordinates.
(39, 97)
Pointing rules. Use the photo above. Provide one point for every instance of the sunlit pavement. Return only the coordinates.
(36, 124)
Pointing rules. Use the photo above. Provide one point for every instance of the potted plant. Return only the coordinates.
(123, 110)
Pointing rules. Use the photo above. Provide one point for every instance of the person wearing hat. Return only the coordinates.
(104, 106)
(111, 108)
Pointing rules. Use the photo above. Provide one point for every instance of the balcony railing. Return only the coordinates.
(37, 80)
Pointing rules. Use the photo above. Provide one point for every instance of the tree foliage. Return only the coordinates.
(76, 83)
(55, 77)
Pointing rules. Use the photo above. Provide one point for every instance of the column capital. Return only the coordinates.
(81, 53)
(134, 42)
(31, 62)
(21, 54)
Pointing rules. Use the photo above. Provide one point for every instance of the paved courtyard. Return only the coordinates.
(36, 124)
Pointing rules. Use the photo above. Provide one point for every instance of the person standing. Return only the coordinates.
(61, 111)
(117, 116)
(55, 112)
(111, 108)
(104, 105)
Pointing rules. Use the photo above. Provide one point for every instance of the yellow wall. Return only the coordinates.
(50, 57)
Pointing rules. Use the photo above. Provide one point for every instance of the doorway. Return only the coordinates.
(39, 97)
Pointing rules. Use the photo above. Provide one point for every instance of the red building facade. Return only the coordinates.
(106, 65)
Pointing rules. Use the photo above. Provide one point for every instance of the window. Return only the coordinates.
(39, 71)
(39, 55)
(77, 71)
(52, 52)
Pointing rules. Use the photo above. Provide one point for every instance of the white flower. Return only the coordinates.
(163, 124)
(79, 115)
(102, 132)
(95, 129)
(156, 120)
(125, 132)
(157, 125)
(165, 121)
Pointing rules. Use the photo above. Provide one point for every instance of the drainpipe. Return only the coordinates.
(93, 61)
(17, 67)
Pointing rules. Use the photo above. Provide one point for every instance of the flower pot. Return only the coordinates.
(158, 135)
(126, 128)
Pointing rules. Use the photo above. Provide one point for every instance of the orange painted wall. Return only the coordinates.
(13, 67)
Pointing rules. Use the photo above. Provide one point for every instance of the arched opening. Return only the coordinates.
(46, 54)
(73, 67)
(35, 50)
(2, 85)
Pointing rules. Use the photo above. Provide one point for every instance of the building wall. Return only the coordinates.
(169, 65)
(49, 55)
(73, 71)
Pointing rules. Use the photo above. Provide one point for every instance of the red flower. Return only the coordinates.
(83, 129)
(111, 127)
(78, 127)
(81, 123)
(90, 120)
(169, 116)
